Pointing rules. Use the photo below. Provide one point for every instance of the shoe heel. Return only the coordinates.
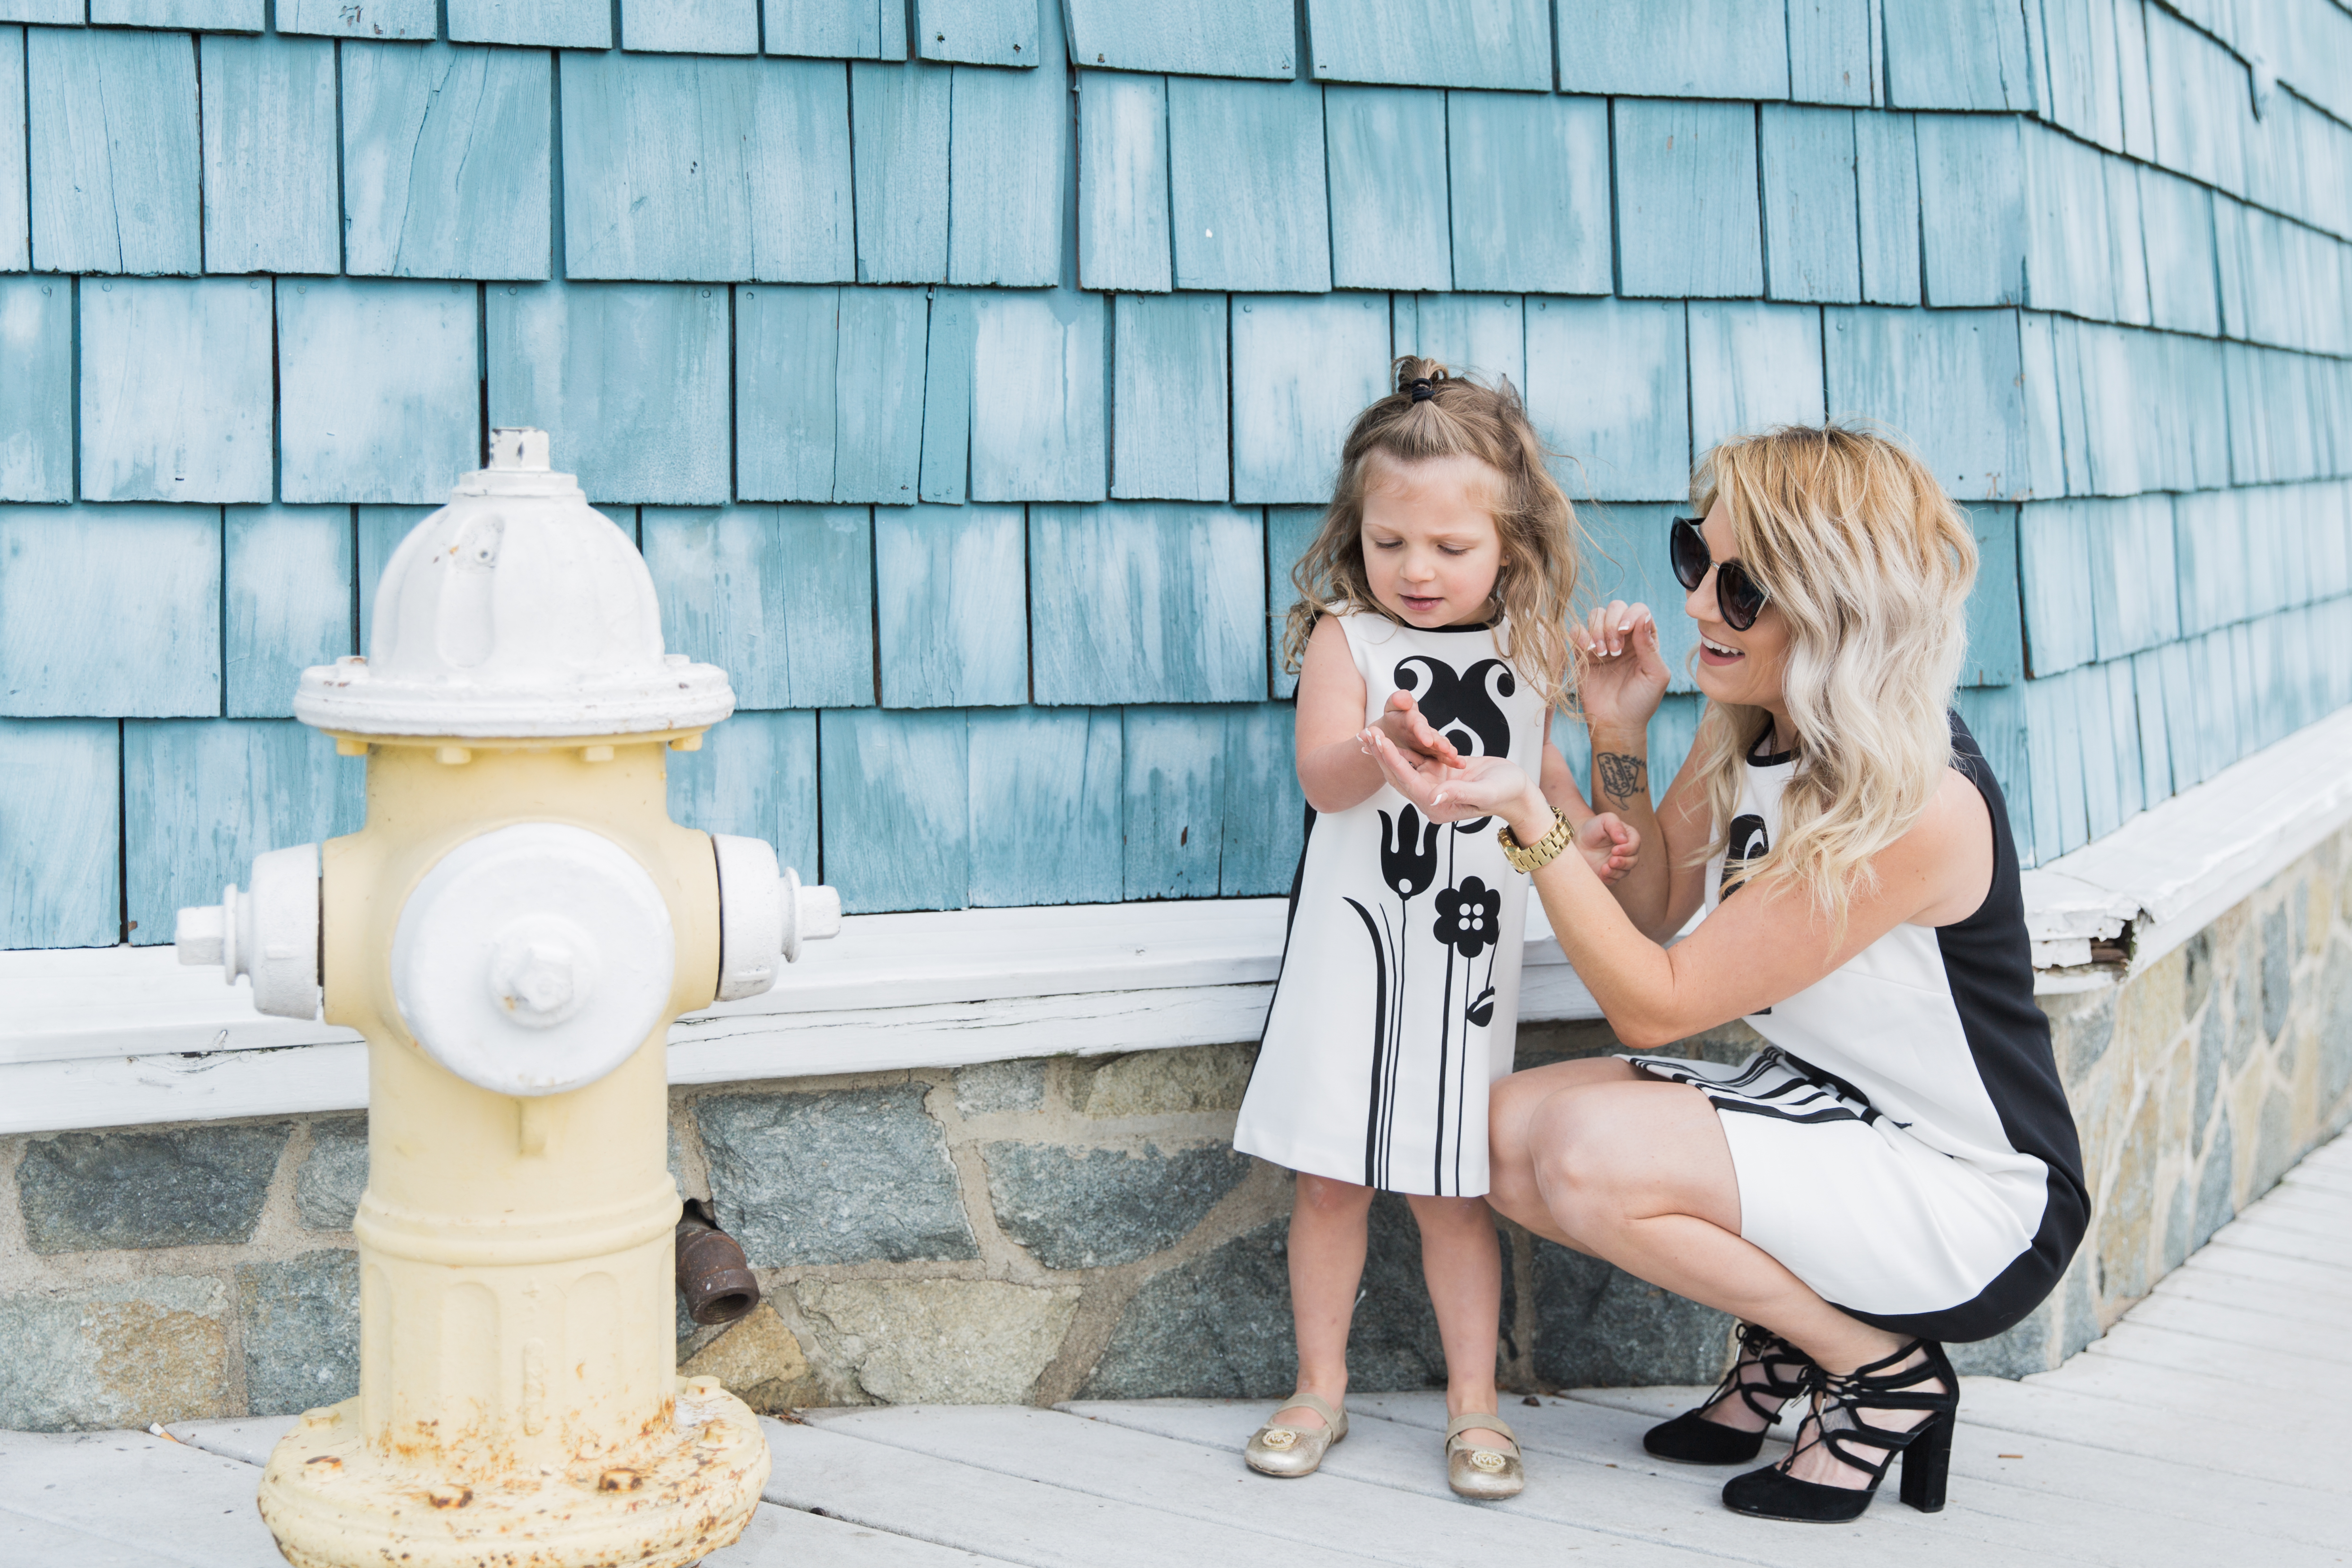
(1926, 1462)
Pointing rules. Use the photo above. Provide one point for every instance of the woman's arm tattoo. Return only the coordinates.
(1621, 775)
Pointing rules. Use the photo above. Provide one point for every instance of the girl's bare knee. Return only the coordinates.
(1325, 1195)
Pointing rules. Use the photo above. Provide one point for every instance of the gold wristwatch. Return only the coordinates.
(1544, 850)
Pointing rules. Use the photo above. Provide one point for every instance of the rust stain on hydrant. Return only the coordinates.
(513, 931)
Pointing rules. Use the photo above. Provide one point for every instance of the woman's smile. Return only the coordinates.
(1714, 653)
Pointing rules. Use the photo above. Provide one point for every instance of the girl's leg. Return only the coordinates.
(1326, 1263)
(1462, 1262)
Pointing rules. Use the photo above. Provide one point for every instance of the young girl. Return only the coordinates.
(1433, 606)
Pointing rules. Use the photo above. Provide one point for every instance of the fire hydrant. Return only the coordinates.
(513, 931)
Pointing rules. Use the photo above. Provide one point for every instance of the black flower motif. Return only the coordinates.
(1408, 852)
(1468, 917)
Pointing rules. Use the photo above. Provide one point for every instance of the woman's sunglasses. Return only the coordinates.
(1735, 593)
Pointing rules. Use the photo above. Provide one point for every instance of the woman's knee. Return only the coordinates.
(1578, 1155)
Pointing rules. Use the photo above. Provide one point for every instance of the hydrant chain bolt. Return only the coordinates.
(514, 930)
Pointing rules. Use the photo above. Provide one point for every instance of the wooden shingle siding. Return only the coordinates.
(111, 121)
(2084, 92)
(1046, 806)
(1432, 43)
(828, 393)
(1629, 560)
(268, 113)
(2127, 243)
(61, 795)
(2134, 585)
(1996, 655)
(15, 191)
(1384, 153)
(2069, 251)
(1689, 48)
(1264, 810)
(1958, 53)
(37, 395)
(1192, 37)
(1833, 56)
(1037, 404)
(835, 29)
(1246, 192)
(1609, 387)
(949, 588)
(546, 24)
(175, 390)
(1688, 221)
(898, 119)
(909, 770)
(379, 390)
(1752, 366)
(207, 16)
(1972, 209)
(1289, 530)
(755, 776)
(1123, 242)
(790, 590)
(200, 800)
(703, 169)
(947, 396)
(1135, 602)
(1173, 802)
(447, 161)
(1168, 438)
(629, 377)
(1947, 379)
(2201, 103)
(46, 13)
(1812, 246)
(372, 19)
(109, 611)
(1303, 369)
(381, 530)
(1008, 163)
(691, 27)
(988, 32)
(1529, 185)
(2054, 566)
(1886, 185)
(1482, 336)
(285, 604)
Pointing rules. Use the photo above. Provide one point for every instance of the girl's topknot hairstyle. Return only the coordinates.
(1433, 413)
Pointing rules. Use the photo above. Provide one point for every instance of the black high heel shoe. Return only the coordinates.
(1836, 1423)
(1690, 1439)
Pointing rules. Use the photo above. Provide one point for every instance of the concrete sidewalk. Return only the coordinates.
(2206, 1428)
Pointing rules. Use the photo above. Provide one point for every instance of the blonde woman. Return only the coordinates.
(1900, 1166)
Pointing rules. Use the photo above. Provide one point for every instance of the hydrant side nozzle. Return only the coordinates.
(200, 934)
(812, 915)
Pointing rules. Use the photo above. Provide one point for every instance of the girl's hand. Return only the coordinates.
(1480, 787)
(1624, 675)
(1608, 845)
(1408, 731)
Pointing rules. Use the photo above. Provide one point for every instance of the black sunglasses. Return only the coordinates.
(1738, 594)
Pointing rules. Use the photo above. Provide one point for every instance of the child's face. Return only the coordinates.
(1430, 547)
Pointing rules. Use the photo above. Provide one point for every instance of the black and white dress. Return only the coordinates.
(1904, 1146)
(1398, 1000)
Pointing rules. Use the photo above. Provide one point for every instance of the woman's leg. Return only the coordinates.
(1637, 1170)
(1326, 1263)
(1463, 1262)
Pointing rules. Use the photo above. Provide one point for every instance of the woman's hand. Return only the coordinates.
(1624, 675)
(1480, 787)
(1408, 731)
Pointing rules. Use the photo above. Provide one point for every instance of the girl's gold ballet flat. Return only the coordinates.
(1278, 1450)
(1476, 1471)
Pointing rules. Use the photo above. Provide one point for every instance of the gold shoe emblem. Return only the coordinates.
(1485, 1460)
(1278, 1439)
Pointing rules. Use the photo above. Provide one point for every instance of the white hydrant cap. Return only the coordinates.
(516, 610)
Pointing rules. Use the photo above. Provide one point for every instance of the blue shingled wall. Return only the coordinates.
(970, 370)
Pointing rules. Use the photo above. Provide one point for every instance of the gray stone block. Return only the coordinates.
(2197, 971)
(2020, 1351)
(2212, 1041)
(2278, 972)
(2083, 1036)
(2336, 1027)
(301, 1324)
(1218, 1327)
(848, 1176)
(151, 1349)
(176, 1187)
(333, 1175)
(2275, 1149)
(990, 1087)
(2214, 1207)
(1599, 1327)
(2082, 1311)
(2244, 1017)
(2180, 1216)
(1095, 1208)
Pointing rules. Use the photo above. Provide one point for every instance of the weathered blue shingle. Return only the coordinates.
(1812, 248)
(1687, 217)
(1046, 806)
(829, 393)
(1038, 402)
(111, 119)
(755, 778)
(1008, 168)
(899, 116)
(1608, 383)
(60, 833)
(987, 32)
(16, 191)
(1691, 49)
(1171, 383)
(835, 29)
(1481, 335)
(782, 596)
(1123, 240)
(1752, 366)
(379, 390)
(547, 24)
(1432, 43)
(1384, 153)
(950, 598)
(1945, 380)
(691, 27)
(1958, 53)
(109, 611)
(1192, 37)
(268, 110)
(1188, 582)
(287, 602)
(1245, 176)
(1529, 184)
(176, 390)
(36, 396)
(1303, 369)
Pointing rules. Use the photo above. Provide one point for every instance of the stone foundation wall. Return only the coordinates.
(1043, 1229)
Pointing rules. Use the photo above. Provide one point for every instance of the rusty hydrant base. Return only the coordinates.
(332, 1503)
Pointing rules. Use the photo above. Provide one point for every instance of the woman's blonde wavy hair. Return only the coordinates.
(1869, 563)
(1535, 588)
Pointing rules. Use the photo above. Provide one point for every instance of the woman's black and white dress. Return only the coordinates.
(1398, 1000)
(1903, 1147)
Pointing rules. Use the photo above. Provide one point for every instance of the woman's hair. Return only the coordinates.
(1452, 416)
(1868, 563)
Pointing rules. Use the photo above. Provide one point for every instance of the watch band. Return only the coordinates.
(1544, 850)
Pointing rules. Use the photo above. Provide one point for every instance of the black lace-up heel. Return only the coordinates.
(1836, 1423)
(1690, 1439)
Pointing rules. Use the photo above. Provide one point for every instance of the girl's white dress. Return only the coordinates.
(1399, 999)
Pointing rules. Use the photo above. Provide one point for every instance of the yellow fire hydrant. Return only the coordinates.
(513, 931)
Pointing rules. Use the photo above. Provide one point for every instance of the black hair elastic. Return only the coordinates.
(1423, 389)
